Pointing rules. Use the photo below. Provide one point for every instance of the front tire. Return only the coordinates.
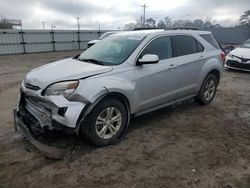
(106, 123)
(207, 90)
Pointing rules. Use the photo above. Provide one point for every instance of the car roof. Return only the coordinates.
(160, 32)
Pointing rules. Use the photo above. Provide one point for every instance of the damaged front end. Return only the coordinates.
(48, 151)
(36, 116)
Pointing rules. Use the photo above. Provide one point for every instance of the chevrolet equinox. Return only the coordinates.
(128, 73)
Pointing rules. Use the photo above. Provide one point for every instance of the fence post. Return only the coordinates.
(99, 33)
(53, 40)
(78, 40)
(22, 38)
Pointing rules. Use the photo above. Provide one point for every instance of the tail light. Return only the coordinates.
(222, 56)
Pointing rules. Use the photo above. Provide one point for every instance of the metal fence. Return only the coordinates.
(29, 41)
(231, 35)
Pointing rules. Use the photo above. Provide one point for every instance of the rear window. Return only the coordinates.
(185, 45)
(200, 48)
(209, 38)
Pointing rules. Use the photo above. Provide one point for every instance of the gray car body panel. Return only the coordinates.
(146, 87)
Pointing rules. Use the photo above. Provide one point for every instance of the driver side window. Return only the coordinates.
(160, 46)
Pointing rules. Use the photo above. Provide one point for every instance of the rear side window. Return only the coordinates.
(185, 45)
(161, 46)
(200, 48)
(209, 38)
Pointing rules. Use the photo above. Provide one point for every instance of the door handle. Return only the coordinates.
(171, 67)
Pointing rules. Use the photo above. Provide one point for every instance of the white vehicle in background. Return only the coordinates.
(104, 35)
(239, 58)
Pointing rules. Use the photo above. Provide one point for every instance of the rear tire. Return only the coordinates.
(207, 90)
(106, 123)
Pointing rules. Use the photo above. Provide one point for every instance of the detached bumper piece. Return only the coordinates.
(48, 151)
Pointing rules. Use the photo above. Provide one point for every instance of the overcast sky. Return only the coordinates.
(112, 14)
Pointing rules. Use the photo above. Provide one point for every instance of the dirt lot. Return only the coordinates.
(185, 146)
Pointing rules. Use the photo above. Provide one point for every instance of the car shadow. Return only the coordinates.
(149, 118)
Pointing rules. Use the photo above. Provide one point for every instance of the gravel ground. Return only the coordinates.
(183, 146)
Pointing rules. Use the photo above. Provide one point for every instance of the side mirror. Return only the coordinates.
(148, 59)
(76, 57)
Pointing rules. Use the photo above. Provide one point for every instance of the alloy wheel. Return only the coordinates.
(108, 122)
(209, 90)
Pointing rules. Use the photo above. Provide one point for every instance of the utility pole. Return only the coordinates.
(144, 8)
(43, 25)
(78, 33)
(141, 21)
(78, 23)
(52, 27)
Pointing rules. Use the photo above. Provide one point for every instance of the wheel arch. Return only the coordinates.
(121, 97)
(216, 73)
(115, 95)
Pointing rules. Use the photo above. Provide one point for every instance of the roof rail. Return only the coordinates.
(146, 28)
(184, 28)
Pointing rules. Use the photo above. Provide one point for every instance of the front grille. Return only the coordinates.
(30, 86)
(244, 60)
(33, 114)
(236, 64)
(30, 121)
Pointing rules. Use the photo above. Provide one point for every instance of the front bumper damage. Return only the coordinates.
(37, 115)
(50, 111)
(48, 151)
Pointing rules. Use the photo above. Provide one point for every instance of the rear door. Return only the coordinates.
(189, 54)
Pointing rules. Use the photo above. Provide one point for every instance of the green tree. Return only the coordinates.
(150, 22)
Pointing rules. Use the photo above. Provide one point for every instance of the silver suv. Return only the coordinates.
(128, 73)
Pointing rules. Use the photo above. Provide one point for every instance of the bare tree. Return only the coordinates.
(161, 24)
(178, 23)
(168, 22)
(208, 24)
(198, 23)
(245, 19)
(131, 26)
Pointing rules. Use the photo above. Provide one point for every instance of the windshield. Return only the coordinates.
(113, 50)
(246, 44)
(104, 35)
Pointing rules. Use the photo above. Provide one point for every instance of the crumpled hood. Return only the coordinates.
(67, 69)
(241, 52)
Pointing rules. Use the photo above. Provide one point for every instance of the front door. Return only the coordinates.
(156, 84)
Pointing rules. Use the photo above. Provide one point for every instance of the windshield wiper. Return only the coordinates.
(93, 61)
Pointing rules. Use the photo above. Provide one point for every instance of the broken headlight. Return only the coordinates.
(62, 88)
